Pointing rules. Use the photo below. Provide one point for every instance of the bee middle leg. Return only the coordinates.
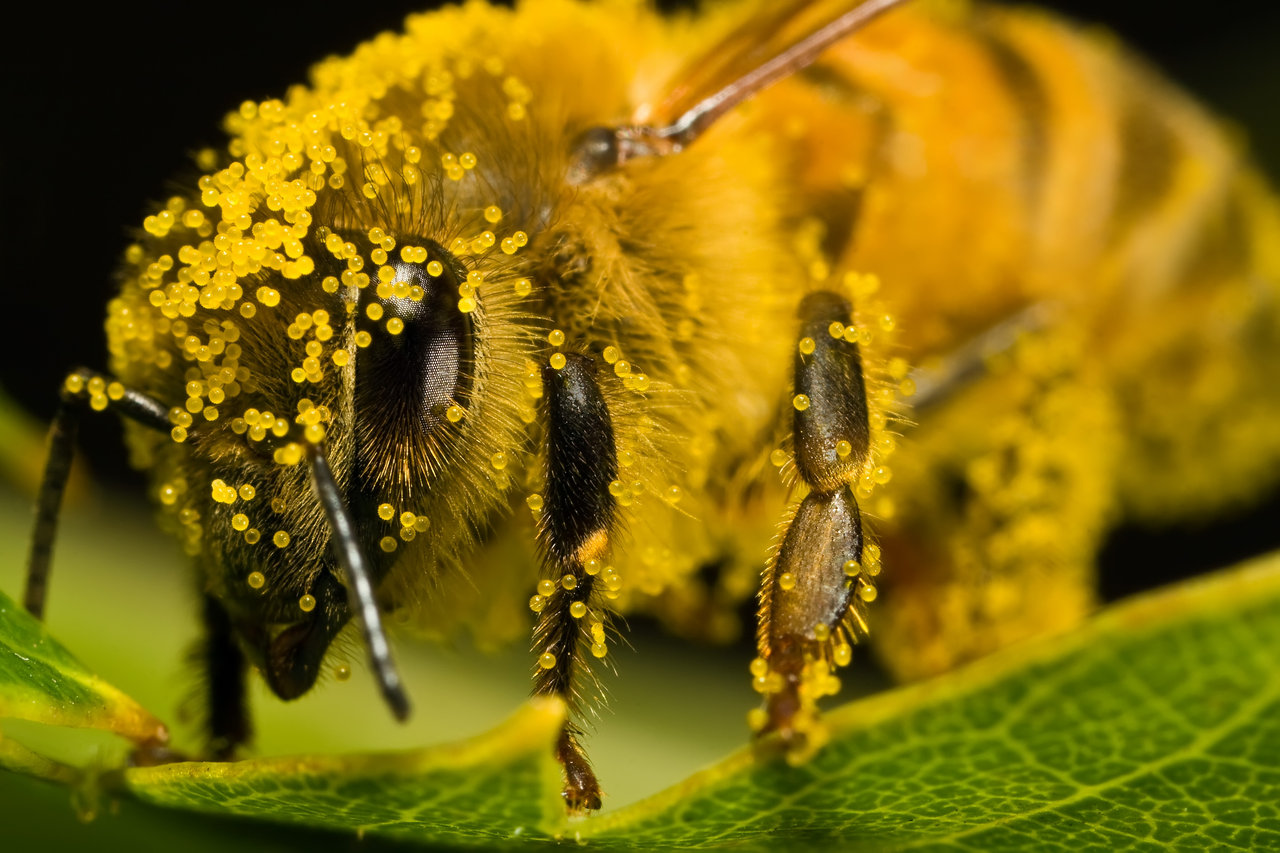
(575, 528)
(812, 593)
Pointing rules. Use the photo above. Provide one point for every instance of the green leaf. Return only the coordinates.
(42, 682)
(1156, 725)
(502, 785)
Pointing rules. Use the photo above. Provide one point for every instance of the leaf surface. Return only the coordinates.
(42, 682)
(499, 786)
(1155, 726)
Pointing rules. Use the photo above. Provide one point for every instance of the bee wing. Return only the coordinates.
(778, 40)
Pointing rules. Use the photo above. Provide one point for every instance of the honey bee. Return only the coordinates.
(648, 295)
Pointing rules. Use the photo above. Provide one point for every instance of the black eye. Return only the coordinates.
(417, 364)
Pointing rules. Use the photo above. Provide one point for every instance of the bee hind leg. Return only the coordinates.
(811, 595)
(575, 528)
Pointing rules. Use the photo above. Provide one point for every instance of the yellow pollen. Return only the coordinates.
(801, 402)
(307, 603)
(547, 661)
(256, 580)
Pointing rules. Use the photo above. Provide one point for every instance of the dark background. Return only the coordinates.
(130, 86)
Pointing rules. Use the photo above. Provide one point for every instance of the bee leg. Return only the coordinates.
(574, 532)
(227, 725)
(968, 363)
(80, 388)
(811, 585)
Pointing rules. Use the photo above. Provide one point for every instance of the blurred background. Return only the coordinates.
(128, 84)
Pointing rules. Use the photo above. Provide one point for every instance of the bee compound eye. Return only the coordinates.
(594, 152)
(417, 365)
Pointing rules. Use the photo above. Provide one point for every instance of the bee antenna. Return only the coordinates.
(646, 140)
(359, 583)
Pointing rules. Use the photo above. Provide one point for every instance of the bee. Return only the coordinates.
(646, 296)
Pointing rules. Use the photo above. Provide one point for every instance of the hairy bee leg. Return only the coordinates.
(811, 585)
(228, 725)
(574, 533)
(81, 387)
(808, 594)
(359, 583)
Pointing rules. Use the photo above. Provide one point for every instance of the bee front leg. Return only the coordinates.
(227, 702)
(82, 387)
(575, 529)
(812, 592)
(221, 699)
